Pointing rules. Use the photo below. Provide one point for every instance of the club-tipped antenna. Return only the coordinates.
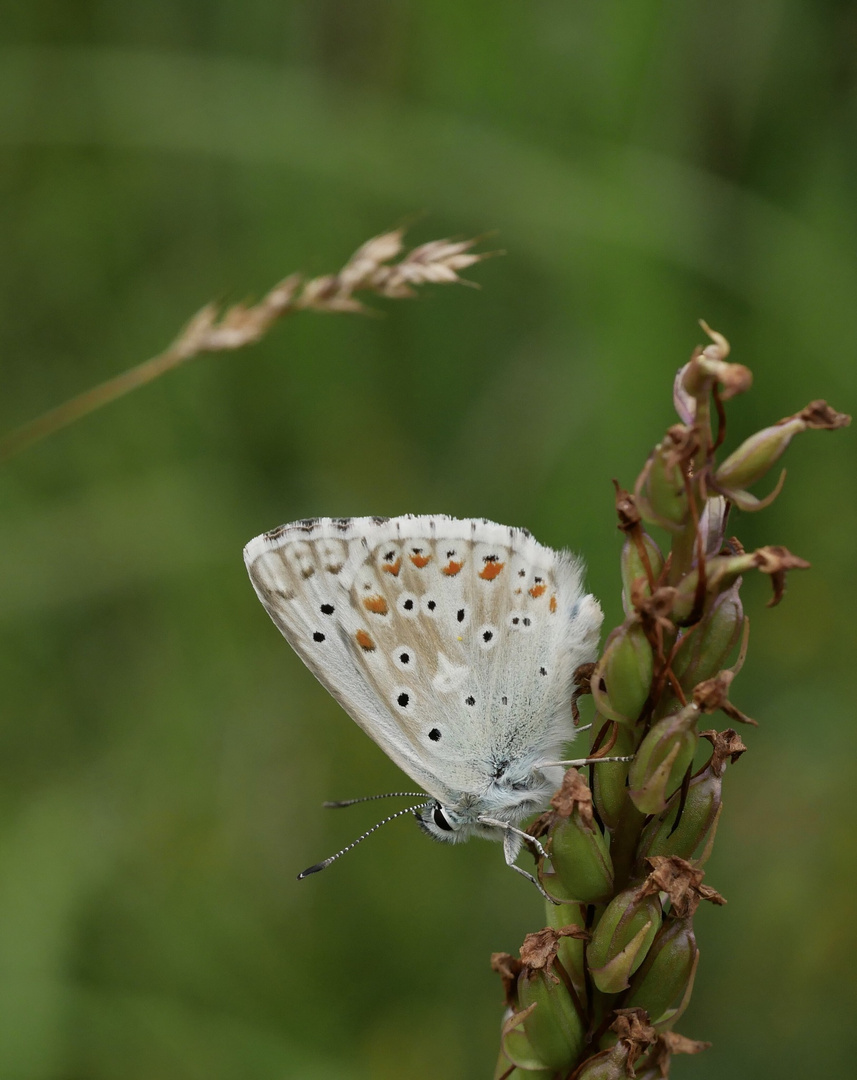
(337, 803)
(399, 813)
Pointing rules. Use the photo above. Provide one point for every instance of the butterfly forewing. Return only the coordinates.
(452, 643)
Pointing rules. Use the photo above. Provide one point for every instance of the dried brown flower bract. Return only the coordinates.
(776, 560)
(626, 509)
(713, 694)
(726, 746)
(539, 950)
(508, 967)
(819, 416)
(669, 1043)
(574, 794)
(682, 883)
(634, 1030)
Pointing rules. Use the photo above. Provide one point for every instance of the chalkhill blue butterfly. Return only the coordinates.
(452, 643)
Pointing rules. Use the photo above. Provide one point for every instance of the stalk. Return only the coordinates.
(596, 994)
(371, 269)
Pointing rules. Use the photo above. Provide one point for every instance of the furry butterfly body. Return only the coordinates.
(452, 643)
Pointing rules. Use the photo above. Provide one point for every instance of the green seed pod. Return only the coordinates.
(660, 488)
(571, 952)
(756, 455)
(634, 566)
(554, 1029)
(608, 1065)
(695, 828)
(609, 790)
(721, 573)
(622, 678)
(662, 760)
(622, 939)
(665, 977)
(515, 1048)
(583, 869)
(709, 645)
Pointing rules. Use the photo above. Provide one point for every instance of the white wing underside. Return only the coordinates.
(452, 643)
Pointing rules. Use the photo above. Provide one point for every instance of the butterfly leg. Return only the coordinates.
(512, 840)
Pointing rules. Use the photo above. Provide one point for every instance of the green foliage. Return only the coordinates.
(163, 756)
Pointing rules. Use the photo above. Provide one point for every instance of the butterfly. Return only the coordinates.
(453, 643)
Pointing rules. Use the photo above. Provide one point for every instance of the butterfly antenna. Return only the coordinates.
(399, 813)
(335, 805)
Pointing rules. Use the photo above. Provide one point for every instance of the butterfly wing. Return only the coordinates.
(452, 643)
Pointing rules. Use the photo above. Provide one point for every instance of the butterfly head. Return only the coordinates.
(517, 795)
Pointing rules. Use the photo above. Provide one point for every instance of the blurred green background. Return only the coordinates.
(164, 755)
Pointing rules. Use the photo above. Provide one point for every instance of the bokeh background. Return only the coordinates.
(164, 755)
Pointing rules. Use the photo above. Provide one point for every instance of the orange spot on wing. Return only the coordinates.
(376, 604)
(452, 568)
(537, 591)
(420, 561)
(393, 568)
(490, 570)
(364, 641)
(553, 604)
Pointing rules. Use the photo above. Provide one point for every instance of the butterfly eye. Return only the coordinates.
(440, 819)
